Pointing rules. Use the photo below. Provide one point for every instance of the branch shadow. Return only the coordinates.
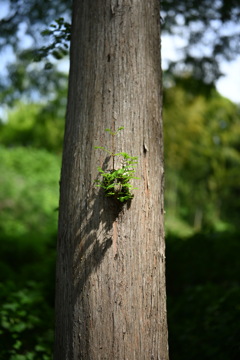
(93, 237)
(84, 240)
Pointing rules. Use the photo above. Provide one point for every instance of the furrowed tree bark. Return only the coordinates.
(110, 288)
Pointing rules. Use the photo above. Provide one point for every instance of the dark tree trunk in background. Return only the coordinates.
(110, 292)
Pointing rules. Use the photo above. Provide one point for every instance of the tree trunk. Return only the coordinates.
(110, 291)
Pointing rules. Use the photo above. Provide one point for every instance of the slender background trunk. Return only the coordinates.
(110, 292)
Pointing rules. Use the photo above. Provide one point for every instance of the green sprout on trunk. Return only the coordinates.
(116, 182)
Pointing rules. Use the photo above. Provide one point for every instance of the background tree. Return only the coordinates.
(110, 299)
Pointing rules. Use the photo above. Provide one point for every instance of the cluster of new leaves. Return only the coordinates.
(116, 182)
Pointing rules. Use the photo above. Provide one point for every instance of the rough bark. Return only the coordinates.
(110, 291)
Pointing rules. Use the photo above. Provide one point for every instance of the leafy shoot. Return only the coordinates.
(116, 182)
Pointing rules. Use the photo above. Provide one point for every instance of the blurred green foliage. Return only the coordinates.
(35, 125)
(26, 323)
(202, 162)
(203, 291)
(28, 202)
(22, 24)
(29, 191)
(202, 142)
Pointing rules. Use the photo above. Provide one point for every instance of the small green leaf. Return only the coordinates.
(100, 169)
